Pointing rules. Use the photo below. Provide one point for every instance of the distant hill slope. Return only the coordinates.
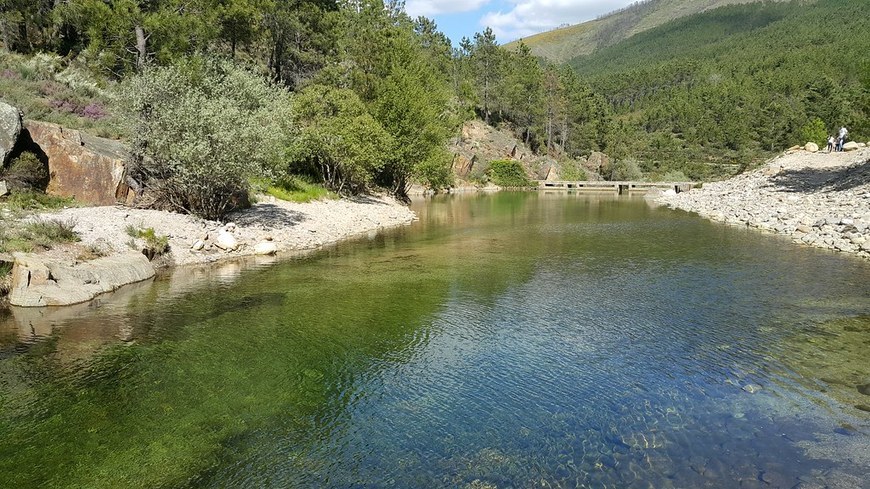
(729, 84)
(563, 44)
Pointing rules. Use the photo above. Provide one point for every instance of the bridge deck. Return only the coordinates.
(615, 186)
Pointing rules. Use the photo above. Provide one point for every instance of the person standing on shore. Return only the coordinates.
(842, 139)
(831, 141)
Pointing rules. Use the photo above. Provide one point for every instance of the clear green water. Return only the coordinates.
(512, 340)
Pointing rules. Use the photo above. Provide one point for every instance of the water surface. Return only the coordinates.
(511, 340)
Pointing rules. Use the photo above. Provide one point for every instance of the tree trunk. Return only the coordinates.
(141, 48)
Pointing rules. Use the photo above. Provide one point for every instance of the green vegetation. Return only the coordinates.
(26, 172)
(730, 86)
(29, 200)
(203, 127)
(560, 45)
(294, 189)
(508, 173)
(359, 96)
(35, 235)
(155, 244)
(52, 88)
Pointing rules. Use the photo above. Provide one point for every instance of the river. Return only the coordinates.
(506, 340)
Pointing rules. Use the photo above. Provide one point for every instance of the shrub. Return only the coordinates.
(27, 172)
(508, 173)
(155, 244)
(203, 127)
(626, 170)
(674, 176)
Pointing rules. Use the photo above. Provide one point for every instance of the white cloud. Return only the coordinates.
(527, 17)
(428, 8)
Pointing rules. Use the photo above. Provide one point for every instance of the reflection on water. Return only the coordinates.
(511, 340)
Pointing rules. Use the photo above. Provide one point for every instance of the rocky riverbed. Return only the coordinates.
(816, 198)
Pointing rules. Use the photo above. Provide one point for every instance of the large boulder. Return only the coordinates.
(265, 248)
(811, 147)
(598, 162)
(88, 168)
(462, 166)
(39, 282)
(10, 128)
(552, 174)
(851, 146)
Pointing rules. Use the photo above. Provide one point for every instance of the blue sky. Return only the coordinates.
(509, 19)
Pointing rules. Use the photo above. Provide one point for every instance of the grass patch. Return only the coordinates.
(37, 235)
(155, 244)
(294, 189)
(30, 200)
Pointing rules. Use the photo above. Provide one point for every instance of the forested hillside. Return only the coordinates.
(357, 95)
(563, 44)
(730, 84)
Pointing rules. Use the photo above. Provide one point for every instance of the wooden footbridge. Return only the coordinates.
(615, 186)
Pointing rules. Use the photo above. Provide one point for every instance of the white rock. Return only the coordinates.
(851, 146)
(3, 188)
(198, 245)
(226, 241)
(265, 248)
(811, 147)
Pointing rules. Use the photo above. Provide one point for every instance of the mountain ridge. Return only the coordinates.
(565, 43)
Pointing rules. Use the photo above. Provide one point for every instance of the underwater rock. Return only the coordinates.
(752, 388)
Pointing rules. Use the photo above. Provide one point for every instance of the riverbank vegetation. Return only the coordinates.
(358, 95)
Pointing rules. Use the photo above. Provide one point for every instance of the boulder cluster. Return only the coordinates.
(821, 200)
(87, 168)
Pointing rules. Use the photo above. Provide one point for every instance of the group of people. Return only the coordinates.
(836, 144)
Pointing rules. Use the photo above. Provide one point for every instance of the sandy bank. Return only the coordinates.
(269, 226)
(818, 199)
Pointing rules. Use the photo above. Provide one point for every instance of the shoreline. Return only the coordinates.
(60, 277)
(816, 199)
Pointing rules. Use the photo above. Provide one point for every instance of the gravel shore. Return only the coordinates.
(285, 226)
(818, 199)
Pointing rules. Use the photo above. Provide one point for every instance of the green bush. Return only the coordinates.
(26, 172)
(814, 131)
(508, 173)
(202, 128)
(155, 244)
(626, 170)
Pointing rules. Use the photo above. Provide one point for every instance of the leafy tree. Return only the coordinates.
(486, 60)
(814, 131)
(522, 88)
(302, 38)
(339, 141)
